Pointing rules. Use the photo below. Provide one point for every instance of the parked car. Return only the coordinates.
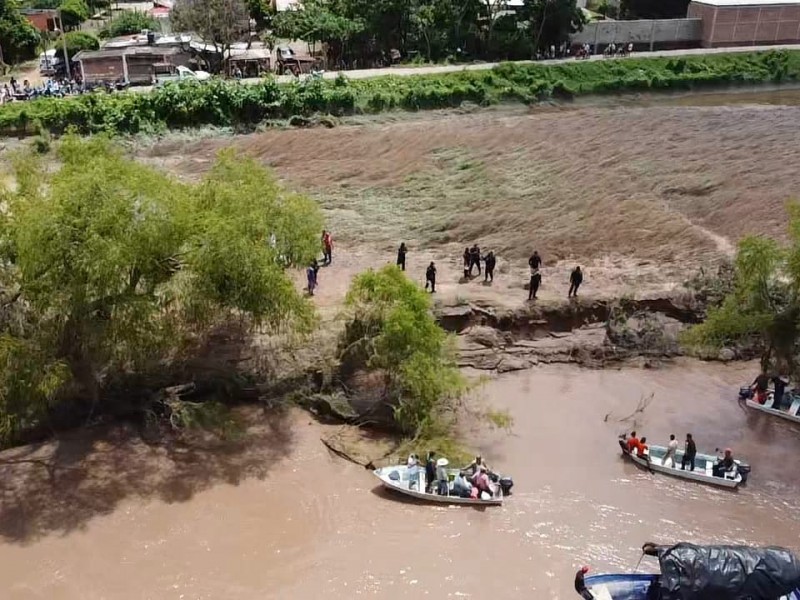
(168, 73)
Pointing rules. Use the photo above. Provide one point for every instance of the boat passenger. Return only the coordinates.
(461, 487)
(430, 472)
(442, 480)
(475, 466)
(672, 448)
(724, 465)
(642, 448)
(689, 452)
(413, 472)
(580, 585)
(632, 442)
(760, 385)
(780, 387)
(481, 481)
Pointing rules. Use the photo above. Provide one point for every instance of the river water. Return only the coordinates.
(281, 518)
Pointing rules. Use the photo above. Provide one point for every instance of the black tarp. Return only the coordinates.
(690, 572)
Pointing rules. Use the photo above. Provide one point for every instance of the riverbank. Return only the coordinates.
(227, 104)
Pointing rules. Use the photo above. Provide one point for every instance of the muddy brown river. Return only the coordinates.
(288, 520)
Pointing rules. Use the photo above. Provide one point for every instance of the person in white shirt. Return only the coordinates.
(672, 447)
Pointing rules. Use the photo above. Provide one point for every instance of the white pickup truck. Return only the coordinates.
(168, 73)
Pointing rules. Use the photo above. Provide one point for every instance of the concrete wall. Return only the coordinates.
(748, 25)
(643, 33)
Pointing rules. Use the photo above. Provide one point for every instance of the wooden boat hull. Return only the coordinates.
(401, 486)
(634, 586)
(789, 415)
(702, 472)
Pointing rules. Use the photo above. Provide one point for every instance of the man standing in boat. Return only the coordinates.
(430, 472)
(672, 448)
(689, 452)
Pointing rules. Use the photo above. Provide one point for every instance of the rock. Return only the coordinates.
(486, 336)
(726, 355)
(512, 363)
(454, 318)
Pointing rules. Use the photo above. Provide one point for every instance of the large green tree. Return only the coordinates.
(552, 22)
(132, 21)
(218, 22)
(18, 38)
(764, 306)
(108, 266)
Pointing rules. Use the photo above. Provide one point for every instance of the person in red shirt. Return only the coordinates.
(642, 448)
(327, 247)
(632, 443)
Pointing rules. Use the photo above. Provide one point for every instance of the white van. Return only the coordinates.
(49, 62)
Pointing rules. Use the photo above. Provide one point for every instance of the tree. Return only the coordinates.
(108, 267)
(18, 37)
(218, 22)
(764, 307)
(73, 13)
(552, 21)
(391, 330)
(132, 21)
(78, 41)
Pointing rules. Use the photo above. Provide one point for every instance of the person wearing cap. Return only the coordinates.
(442, 479)
(580, 585)
(725, 464)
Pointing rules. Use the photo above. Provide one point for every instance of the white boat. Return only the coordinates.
(791, 414)
(703, 467)
(396, 478)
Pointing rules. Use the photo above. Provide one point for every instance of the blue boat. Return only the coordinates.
(692, 572)
(634, 586)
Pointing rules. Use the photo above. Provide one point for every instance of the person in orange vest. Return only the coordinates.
(327, 247)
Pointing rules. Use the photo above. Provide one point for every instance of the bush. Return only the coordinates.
(78, 41)
(224, 104)
(130, 22)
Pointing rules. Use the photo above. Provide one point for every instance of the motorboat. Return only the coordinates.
(792, 413)
(689, 571)
(703, 471)
(397, 478)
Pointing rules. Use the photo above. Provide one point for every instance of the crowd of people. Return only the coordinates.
(472, 481)
(638, 447)
(57, 87)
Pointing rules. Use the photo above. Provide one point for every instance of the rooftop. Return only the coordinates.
(748, 2)
(130, 51)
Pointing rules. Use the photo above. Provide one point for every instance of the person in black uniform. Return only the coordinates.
(467, 261)
(575, 280)
(535, 261)
(474, 259)
(401, 256)
(536, 281)
(430, 277)
(689, 452)
(490, 261)
(430, 472)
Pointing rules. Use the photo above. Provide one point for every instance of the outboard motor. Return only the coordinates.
(506, 483)
(745, 393)
(744, 471)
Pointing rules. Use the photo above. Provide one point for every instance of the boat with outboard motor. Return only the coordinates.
(703, 467)
(791, 398)
(398, 478)
(689, 571)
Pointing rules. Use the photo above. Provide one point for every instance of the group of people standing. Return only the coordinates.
(639, 447)
(472, 481)
(312, 272)
(472, 259)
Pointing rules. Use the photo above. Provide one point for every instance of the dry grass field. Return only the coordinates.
(643, 195)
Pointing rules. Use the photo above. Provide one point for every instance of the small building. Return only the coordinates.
(747, 22)
(44, 19)
(133, 64)
(253, 61)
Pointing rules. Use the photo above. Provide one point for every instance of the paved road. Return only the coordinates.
(439, 69)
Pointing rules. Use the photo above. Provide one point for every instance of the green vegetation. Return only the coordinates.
(221, 22)
(220, 103)
(763, 308)
(18, 38)
(369, 33)
(130, 22)
(109, 268)
(78, 41)
(74, 12)
(391, 331)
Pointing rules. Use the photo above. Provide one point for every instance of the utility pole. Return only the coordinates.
(64, 40)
